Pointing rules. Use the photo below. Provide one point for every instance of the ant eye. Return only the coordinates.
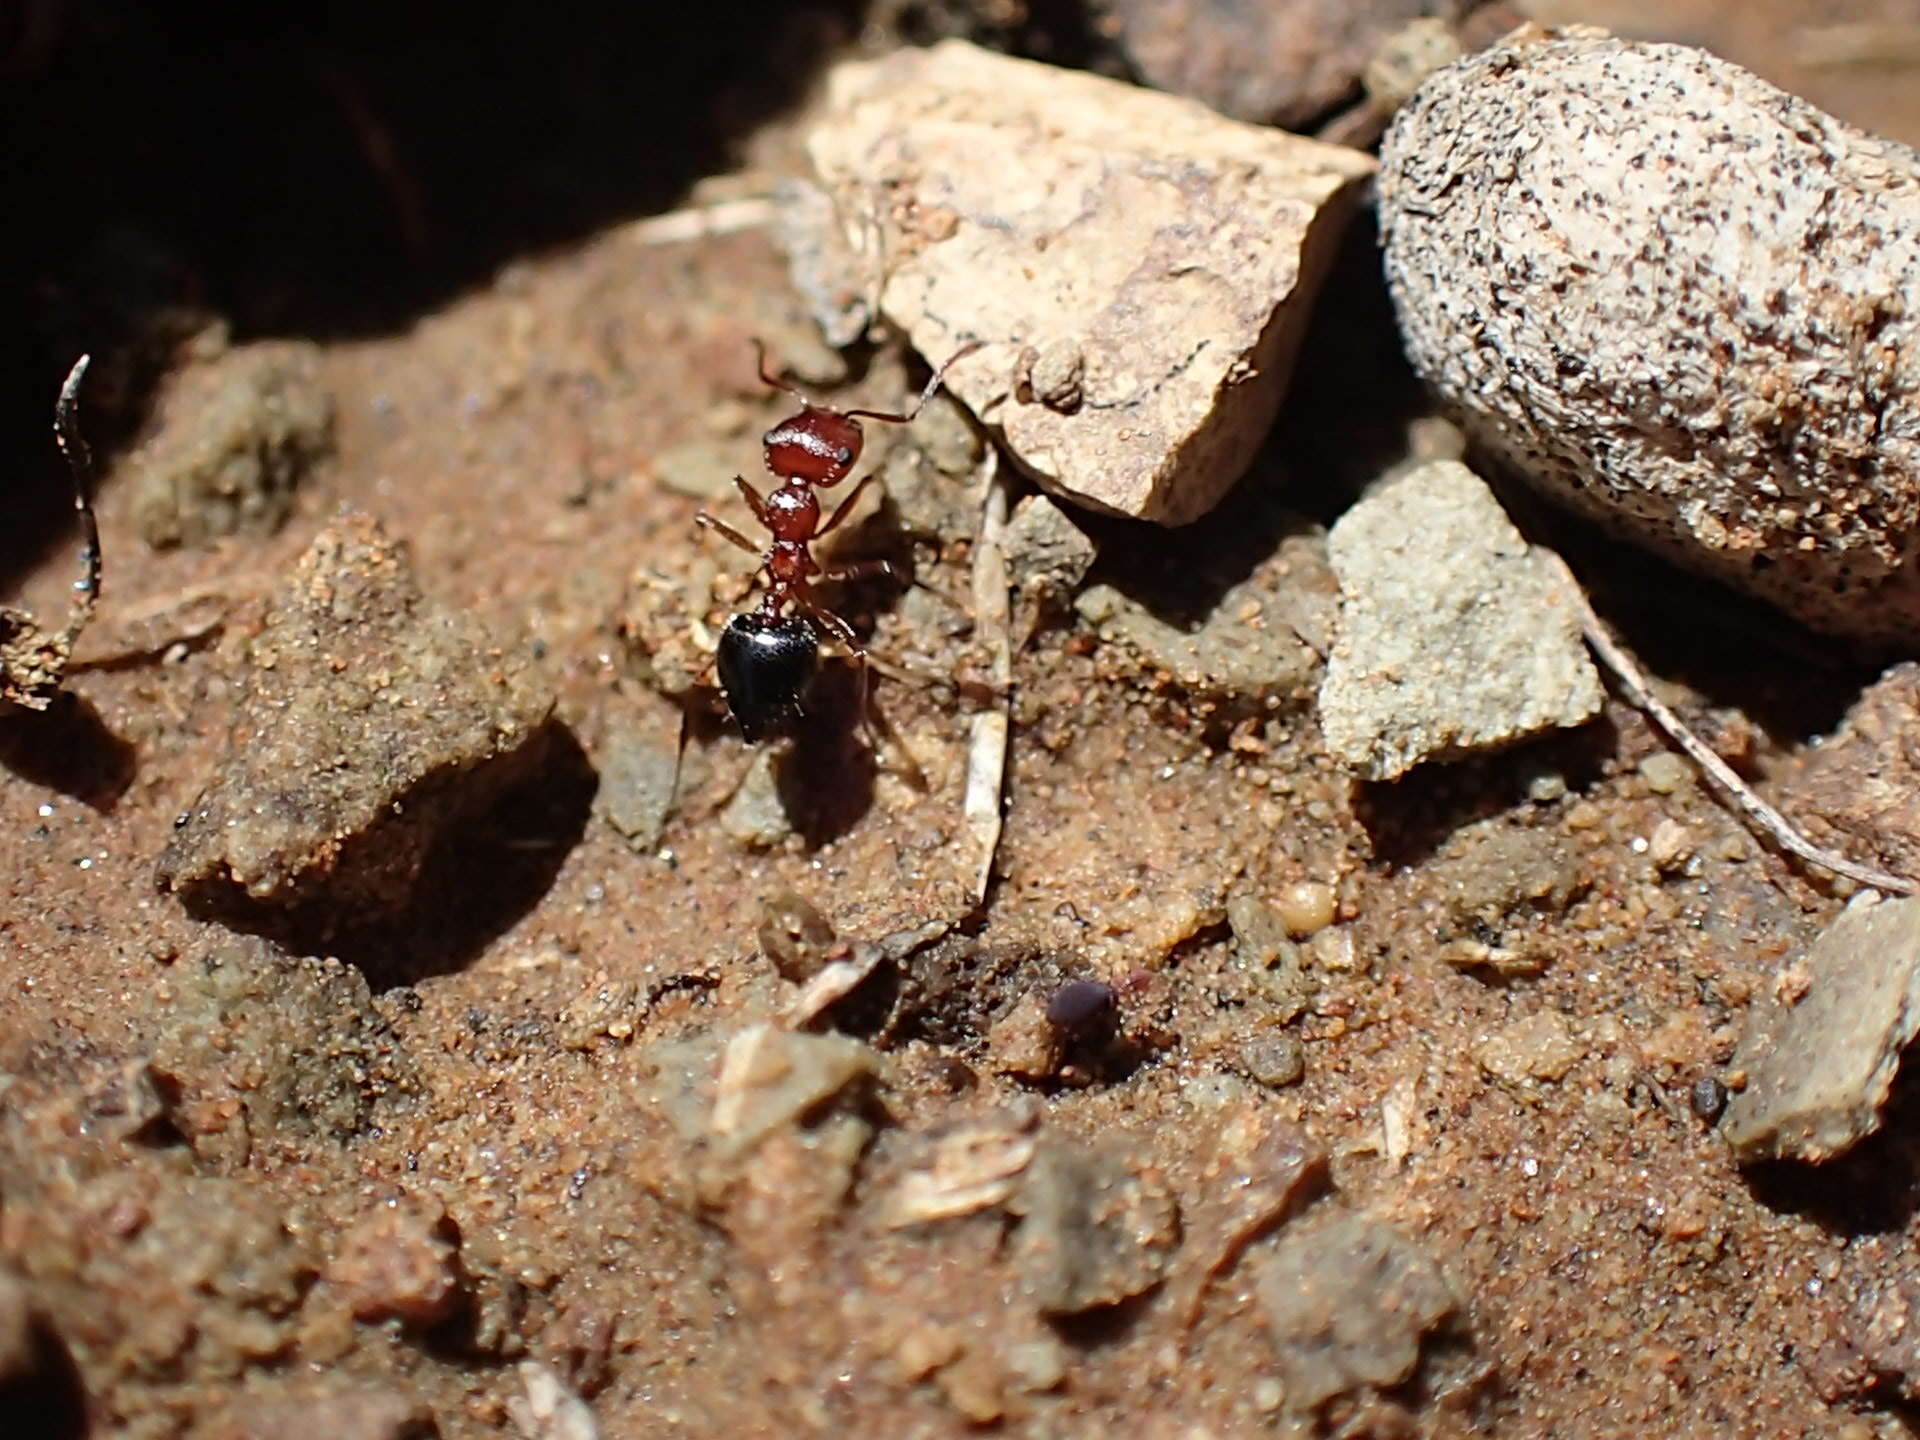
(843, 456)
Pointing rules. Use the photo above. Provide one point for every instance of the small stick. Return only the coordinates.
(987, 743)
(1757, 811)
(701, 221)
(73, 445)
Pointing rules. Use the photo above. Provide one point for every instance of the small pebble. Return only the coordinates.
(1670, 846)
(1353, 1306)
(1099, 1227)
(1708, 1097)
(794, 935)
(1546, 786)
(1081, 1004)
(1537, 1047)
(1025, 1042)
(399, 1262)
(1305, 908)
(1821, 1064)
(1274, 1058)
(1332, 952)
(1665, 772)
(238, 435)
(1038, 1364)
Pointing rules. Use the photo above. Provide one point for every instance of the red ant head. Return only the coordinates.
(819, 446)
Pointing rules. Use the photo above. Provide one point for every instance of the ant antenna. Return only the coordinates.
(760, 358)
(933, 384)
(893, 417)
(73, 445)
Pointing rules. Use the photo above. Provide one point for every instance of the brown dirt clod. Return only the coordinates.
(372, 721)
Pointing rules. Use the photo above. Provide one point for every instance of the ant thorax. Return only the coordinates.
(793, 512)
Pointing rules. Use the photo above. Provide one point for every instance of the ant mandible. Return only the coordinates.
(768, 655)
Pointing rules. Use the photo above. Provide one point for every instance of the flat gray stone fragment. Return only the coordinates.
(757, 815)
(1350, 1306)
(1099, 1228)
(772, 1078)
(638, 773)
(1454, 635)
(1045, 549)
(1819, 1071)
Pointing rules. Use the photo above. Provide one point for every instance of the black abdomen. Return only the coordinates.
(765, 665)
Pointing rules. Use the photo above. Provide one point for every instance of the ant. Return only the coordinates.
(32, 660)
(768, 655)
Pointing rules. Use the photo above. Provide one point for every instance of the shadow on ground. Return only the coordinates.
(332, 169)
(480, 879)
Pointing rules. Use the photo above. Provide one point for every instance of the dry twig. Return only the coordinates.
(34, 661)
(987, 743)
(699, 222)
(1758, 812)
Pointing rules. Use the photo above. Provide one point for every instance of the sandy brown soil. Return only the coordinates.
(311, 1181)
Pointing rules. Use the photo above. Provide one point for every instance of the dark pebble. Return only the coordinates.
(1709, 1098)
(1080, 1004)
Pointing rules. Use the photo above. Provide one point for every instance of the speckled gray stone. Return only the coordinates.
(1681, 302)
(1099, 1227)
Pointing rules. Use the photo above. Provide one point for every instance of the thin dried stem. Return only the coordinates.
(73, 445)
(1758, 812)
(987, 744)
(701, 221)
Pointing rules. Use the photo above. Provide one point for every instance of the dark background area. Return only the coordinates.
(328, 170)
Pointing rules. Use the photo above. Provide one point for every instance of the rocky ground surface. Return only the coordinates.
(385, 1051)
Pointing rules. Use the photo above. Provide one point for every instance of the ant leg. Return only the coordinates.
(705, 672)
(879, 727)
(873, 724)
(933, 384)
(686, 705)
(843, 632)
(756, 502)
(950, 601)
(841, 510)
(726, 531)
(862, 570)
(915, 670)
(680, 757)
